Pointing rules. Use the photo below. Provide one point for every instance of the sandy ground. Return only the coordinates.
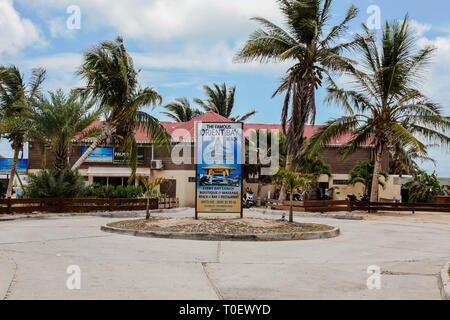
(419, 217)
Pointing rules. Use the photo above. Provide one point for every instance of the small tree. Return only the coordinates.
(424, 187)
(150, 192)
(292, 181)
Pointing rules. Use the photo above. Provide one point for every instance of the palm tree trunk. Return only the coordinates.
(289, 159)
(147, 214)
(376, 175)
(291, 209)
(13, 173)
(88, 152)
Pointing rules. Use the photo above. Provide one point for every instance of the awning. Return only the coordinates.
(116, 172)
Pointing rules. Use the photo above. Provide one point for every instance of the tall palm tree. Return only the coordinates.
(111, 78)
(220, 100)
(385, 107)
(181, 110)
(314, 51)
(363, 173)
(15, 96)
(56, 121)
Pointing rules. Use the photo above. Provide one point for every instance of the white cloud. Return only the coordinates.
(60, 68)
(58, 28)
(169, 19)
(16, 32)
(420, 28)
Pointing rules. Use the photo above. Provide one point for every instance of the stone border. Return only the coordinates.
(444, 282)
(226, 237)
(116, 214)
(340, 216)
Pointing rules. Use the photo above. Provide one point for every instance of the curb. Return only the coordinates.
(117, 214)
(341, 216)
(226, 237)
(444, 282)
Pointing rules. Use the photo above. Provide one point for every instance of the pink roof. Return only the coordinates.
(185, 131)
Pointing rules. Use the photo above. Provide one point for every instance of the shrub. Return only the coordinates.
(50, 184)
(110, 192)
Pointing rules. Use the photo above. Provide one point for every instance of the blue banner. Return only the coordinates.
(6, 165)
(100, 155)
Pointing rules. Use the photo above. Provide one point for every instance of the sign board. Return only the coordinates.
(120, 156)
(6, 165)
(219, 158)
(103, 155)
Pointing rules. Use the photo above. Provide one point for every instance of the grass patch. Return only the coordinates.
(219, 225)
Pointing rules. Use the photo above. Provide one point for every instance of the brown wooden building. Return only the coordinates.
(112, 168)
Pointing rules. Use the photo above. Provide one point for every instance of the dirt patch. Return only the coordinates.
(418, 217)
(221, 225)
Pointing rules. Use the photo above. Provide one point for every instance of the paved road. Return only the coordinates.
(35, 254)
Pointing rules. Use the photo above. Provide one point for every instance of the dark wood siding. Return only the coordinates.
(332, 156)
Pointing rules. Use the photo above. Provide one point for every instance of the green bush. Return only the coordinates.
(49, 184)
(110, 192)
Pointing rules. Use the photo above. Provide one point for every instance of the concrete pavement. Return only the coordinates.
(35, 254)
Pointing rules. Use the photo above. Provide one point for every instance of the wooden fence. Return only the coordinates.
(10, 206)
(349, 206)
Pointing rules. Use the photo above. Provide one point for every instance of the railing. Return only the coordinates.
(10, 206)
(349, 206)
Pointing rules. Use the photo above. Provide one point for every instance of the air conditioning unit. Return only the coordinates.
(156, 164)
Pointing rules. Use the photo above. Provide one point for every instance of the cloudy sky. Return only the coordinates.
(181, 45)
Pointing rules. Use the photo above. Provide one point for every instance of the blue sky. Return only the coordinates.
(181, 45)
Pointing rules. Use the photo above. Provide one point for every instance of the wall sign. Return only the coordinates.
(103, 155)
(6, 165)
(219, 161)
(120, 156)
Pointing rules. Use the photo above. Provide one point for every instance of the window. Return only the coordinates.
(340, 182)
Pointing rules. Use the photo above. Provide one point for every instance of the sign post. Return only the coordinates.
(219, 158)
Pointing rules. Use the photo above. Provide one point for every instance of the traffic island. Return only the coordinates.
(222, 229)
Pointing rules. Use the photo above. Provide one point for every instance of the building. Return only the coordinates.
(108, 165)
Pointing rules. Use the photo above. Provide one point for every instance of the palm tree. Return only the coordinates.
(181, 110)
(313, 52)
(15, 96)
(293, 181)
(150, 192)
(385, 107)
(58, 120)
(363, 173)
(220, 100)
(111, 78)
(315, 167)
(404, 160)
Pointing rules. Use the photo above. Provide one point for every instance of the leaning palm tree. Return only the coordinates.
(15, 96)
(181, 110)
(314, 51)
(111, 78)
(220, 100)
(58, 120)
(385, 106)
